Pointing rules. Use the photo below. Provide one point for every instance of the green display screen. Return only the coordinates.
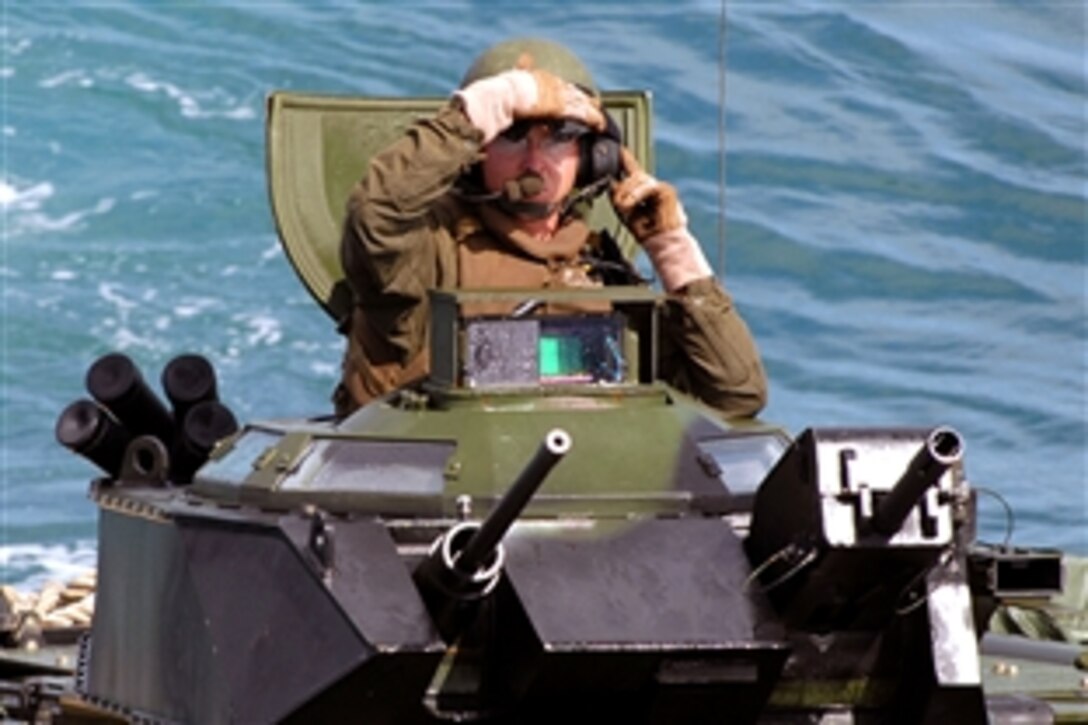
(580, 350)
(560, 356)
(545, 350)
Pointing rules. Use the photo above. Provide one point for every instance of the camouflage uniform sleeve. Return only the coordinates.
(394, 217)
(709, 351)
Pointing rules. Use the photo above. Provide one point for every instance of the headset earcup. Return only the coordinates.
(606, 158)
(600, 159)
(600, 154)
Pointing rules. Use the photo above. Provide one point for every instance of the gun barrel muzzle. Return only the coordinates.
(942, 449)
(556, 444)
(188, 380)
(205, 424)
(88, 429)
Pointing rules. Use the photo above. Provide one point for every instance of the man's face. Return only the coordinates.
(546, 149)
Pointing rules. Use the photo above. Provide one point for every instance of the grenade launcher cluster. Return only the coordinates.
(125, 424)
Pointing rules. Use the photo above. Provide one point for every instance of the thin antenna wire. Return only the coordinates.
(721, 142)
(1010, 520)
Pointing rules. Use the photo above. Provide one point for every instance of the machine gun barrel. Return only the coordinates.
(465, 562)
(943, 448)
(477, 549)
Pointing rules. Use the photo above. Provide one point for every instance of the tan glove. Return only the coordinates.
(493, 104)
(652, 211)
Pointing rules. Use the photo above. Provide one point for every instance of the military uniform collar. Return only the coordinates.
(562, 246)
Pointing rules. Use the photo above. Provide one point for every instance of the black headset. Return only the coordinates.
(600, 154)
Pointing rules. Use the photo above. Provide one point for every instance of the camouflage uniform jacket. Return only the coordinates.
(405, 233)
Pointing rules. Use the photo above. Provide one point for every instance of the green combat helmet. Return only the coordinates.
(530, 53)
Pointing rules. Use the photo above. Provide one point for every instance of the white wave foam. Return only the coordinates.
(18, 47)
(127, 339)
(109, 293)
(191, 307)
(73, 77)
(67, 222)
(264, 330)
(324, 370)
(25, 208)
(189, 103)
(126, 329)
(272, 252)
(29, 566)
(26, 199)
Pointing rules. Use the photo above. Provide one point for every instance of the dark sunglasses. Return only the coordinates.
(560, 130)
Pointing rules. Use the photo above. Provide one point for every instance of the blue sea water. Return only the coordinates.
(904, 228)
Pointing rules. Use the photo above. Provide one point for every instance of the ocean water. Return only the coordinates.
(904, 218)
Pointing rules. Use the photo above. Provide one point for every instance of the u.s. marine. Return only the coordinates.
(514, 135)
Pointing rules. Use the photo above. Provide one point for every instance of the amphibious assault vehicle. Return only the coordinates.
(539, 530)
